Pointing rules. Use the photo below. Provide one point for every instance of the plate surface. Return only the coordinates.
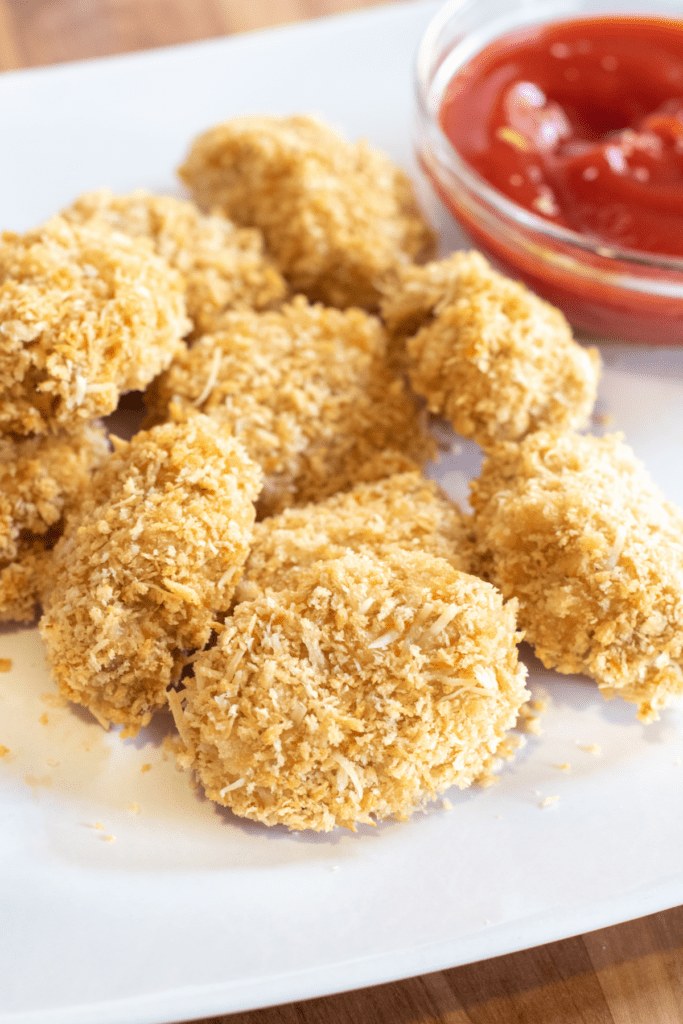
(187, 911)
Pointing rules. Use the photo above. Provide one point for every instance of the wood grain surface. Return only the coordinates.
(628, 974)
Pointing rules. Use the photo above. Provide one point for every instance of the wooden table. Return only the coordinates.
(629, 974)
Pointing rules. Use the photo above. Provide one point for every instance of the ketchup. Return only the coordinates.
(581, 122)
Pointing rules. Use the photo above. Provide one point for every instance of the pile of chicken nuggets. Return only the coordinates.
(336, 639)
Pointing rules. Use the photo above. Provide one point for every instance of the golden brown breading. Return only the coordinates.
(404, 510)
(337, 216)
(84, 316)
(308, 392)
(41, 479)
(361, 693)
(223, 266)
(160, 547)
(576, 530)
(487, 353)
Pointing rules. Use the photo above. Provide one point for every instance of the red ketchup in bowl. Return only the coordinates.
(580, 122)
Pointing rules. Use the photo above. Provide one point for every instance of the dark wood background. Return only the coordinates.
(629, 974)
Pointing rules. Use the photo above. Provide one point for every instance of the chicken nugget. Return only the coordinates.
(159, 549)
(574, 528)
(487, 353)
(224, 267)
(84, 316)
(404, 510)
(361, 693)
(41, 479)
(337, 216)
(308, 392)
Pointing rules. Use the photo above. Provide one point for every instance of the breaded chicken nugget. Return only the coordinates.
(404, 510)
(84, 316)
(223, 267)
(307, 391)
(162, 539)
(336, 216)
(41, 479)
(575, 529)
(487, 353)
(362, 692)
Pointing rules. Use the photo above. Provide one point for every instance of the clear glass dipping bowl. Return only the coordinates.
(607, 291)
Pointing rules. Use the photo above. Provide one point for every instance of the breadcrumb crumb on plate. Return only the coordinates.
(41, 480)
(308, 392)
(371, 686)
(575, 529)
(141, 577)
(488, 354)
(223, 267)
(85, 315)
(590, 748)
(338, 217)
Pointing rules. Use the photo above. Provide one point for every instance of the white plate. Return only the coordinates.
(190, 912)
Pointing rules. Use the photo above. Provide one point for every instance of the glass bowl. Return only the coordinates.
(605, 290)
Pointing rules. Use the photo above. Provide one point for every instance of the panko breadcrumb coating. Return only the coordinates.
(364, 691)
(84, 316)
(223, 266)
(308, 392)
(337, 216)
(404, 510)
(487, 353)
(575, 529)
(160, 547)
(41, 479)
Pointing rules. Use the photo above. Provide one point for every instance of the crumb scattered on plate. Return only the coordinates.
(54, 700)
(590, 748)
(528, 722)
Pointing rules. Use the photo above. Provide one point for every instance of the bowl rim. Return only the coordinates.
(424, 71)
